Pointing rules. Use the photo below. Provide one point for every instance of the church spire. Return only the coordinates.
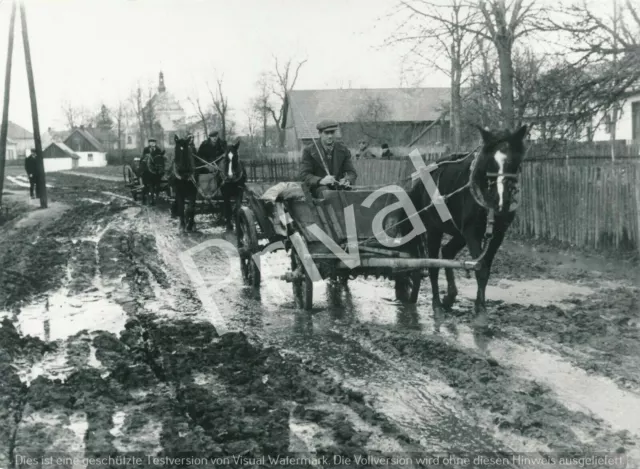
(161, 87)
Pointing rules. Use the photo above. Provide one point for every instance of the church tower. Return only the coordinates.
(161, 87)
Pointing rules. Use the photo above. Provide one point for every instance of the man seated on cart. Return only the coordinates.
(210, 150)
(150, 152)
(326, 164)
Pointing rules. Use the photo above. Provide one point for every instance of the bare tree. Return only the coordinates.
(440, 37)
(76, 116)
(284, 77)
(203, 115)
(262, 105)
(220, 105)
(609, 46)
(121, 123)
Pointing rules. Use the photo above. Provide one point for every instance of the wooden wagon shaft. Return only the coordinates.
(419, 263)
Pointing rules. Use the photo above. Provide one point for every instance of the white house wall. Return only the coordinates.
(624, 130)
(57, 164)
(99, 159)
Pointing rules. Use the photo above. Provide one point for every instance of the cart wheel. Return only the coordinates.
(129, 175)
(302, 288)
(247, 238)
(408, 287)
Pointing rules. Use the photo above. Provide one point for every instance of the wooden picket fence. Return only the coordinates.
(594, 205)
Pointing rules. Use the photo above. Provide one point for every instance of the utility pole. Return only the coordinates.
(42, 186)
(4, 129)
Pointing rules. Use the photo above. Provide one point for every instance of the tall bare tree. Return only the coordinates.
(220, 104)
(439, 36)
(284, 76)
(262, 105)
(200, 110)
(606, 42)
(76, 116)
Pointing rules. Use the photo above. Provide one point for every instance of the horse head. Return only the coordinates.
(496, 170)
(183, 160)
(232, 160)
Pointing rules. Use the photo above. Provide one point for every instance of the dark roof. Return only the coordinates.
(65, 149)
(17, 132)
(97, 146)
(102, 135)
(309, 107)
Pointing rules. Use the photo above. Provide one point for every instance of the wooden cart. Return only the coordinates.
(262, 220)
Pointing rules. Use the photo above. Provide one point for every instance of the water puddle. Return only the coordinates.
(574, 387)
(62, 315)
(537, 292)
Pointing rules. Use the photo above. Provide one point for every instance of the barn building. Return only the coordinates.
(394, 116)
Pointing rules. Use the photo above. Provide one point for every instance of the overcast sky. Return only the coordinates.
(93, 51)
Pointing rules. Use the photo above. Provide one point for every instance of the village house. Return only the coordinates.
(59, 157)
(12, 150)
(22, 138)
(392, 116)
(89, 150)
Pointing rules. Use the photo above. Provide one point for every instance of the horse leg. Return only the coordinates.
(238, 204)
(180, 196)
(434, 239)
(191, 210)
(449, 251)
(226, 206)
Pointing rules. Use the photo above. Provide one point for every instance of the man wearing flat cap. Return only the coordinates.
(210, 150)
(326, 162)
(31, 167)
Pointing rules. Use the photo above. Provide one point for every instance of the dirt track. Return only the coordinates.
(108, 347)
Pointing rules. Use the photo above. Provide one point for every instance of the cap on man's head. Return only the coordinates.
(326, 125)
(152, 140)
(385, 146)
(213, 134)
(33, 150)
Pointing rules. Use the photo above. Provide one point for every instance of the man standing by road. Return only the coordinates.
(31, 167)
(326, 163)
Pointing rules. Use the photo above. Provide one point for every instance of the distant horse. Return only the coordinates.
(231, 180)
(491, 176)
(152, 169)
(185, 183)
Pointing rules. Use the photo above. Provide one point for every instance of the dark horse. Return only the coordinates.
(491, 176)
(185, 183)
(231, 181)
(152, 168)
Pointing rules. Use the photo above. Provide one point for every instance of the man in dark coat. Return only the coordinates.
(326, 154)
(31, 167)
(151, 162)
(210, 150)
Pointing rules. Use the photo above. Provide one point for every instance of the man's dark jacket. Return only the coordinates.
(31, 165)
(148, 156)
(312, 170)
(210, 151)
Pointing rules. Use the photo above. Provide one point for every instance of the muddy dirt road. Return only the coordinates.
(110, 346)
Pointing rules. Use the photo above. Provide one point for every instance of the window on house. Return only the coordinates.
(90, 157)
(129, 140)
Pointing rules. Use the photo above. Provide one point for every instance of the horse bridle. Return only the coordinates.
(492, 179)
